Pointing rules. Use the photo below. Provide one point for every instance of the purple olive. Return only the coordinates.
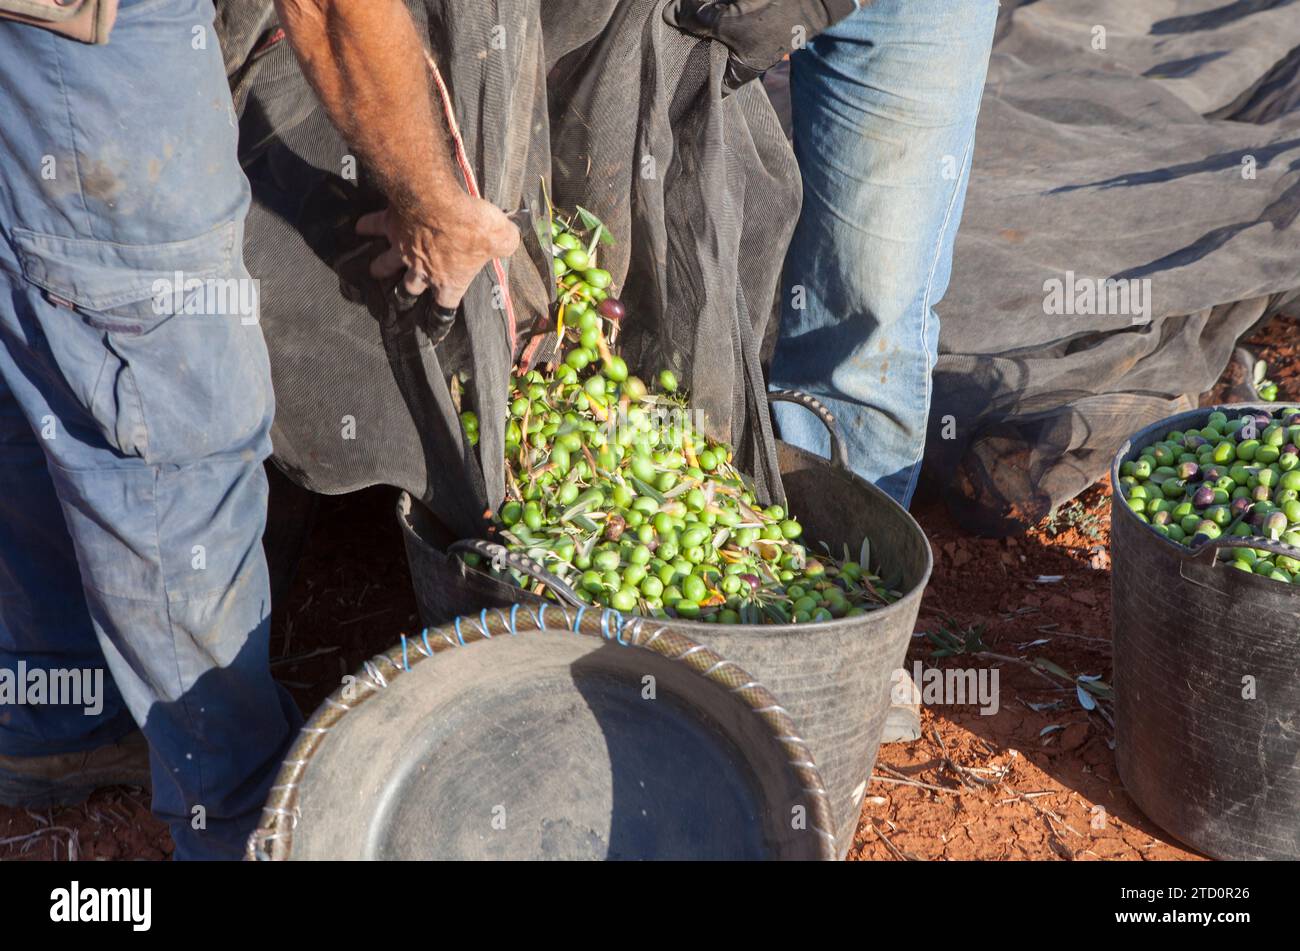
(1212, 474)
(1194, 441)
(1161, 518)
(1240, 506)
(1204, 496)
(751, 580)
(611, 308)
(1188, 470)
(1260, 493)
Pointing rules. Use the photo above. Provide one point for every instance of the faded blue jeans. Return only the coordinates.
(884, 109)
(135, 407)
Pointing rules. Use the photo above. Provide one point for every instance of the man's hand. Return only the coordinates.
(368, 66)
(758, 32)
(445, 253)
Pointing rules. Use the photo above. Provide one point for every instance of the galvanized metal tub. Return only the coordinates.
(833, 677)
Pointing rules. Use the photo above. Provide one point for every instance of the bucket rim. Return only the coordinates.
(272, 840)
(1143, 436)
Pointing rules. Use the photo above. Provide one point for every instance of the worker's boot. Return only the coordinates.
(67, 779)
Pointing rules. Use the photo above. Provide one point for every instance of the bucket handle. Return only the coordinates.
(502, 557)
(839, 451)
(1201, 558)
(1248, 541)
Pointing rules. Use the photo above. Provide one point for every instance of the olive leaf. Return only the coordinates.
(591, 223)
(1047, 665)
(1095, 685)
(595, 240)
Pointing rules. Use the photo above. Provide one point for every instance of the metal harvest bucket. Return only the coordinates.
(833, 677)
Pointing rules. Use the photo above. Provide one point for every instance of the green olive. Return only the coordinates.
(694, 588)
(694, 537)
(686, 608)
(616, 369)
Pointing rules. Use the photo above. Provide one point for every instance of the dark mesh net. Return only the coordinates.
(1170, 155)
(623, 115)
(1117, 163)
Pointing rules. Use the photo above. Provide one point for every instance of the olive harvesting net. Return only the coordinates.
(1156, 144)
(619, 113)
(1152, 148)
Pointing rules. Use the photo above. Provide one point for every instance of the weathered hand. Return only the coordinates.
(445, 253)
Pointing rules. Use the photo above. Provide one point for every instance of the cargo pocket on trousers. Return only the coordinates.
(164, 349)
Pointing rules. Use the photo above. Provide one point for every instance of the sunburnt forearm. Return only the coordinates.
(367, 65)
(365, 61)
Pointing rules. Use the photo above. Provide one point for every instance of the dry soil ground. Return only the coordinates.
(1036, 780)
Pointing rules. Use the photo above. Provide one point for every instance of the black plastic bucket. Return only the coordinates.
(833, 677)
(1207, 697)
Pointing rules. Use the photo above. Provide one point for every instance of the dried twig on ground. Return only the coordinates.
(897, 852)
(898, 779)
(967, 776)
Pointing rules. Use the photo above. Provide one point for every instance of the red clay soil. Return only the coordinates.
(1036, 780)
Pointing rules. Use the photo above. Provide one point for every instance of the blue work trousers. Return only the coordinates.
(135, 407)
(884, 108)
